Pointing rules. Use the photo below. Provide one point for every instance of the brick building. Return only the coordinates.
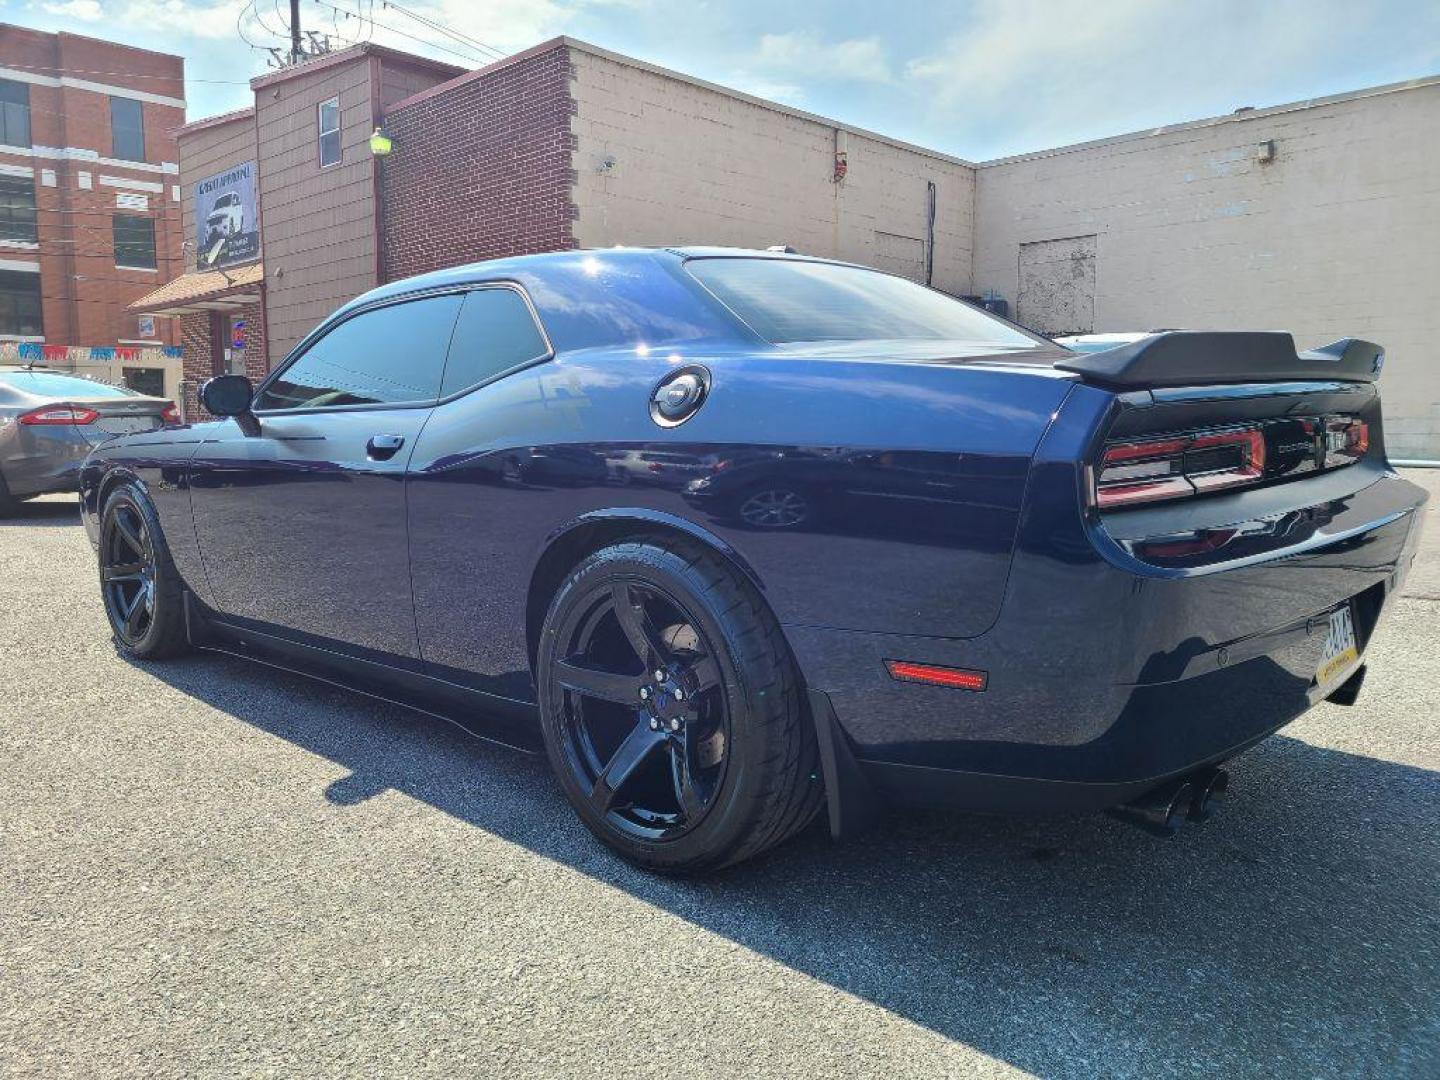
(1321, 217)
(312, 204)
(89, 207)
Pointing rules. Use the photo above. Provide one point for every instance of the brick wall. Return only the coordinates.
(77, 180)
(481, 166)
(196, 343)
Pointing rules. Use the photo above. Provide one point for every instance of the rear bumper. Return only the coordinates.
(1105, 677)
(42, 460)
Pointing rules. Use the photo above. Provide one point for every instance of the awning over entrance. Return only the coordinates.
(205, 290)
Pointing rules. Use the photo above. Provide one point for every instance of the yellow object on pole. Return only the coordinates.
(380, 143)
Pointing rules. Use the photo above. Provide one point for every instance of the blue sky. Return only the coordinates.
(980, 80)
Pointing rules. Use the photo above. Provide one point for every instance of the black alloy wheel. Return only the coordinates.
(672, 711)
(127, 574)
(644, 719)
(138, 583)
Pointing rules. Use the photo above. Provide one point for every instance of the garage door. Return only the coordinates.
(1057, 286)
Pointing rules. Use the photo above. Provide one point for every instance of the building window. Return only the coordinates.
(14, 113)
(17, 209)
(127, 129)
(134, 242)
(329, 128)
(20, 304)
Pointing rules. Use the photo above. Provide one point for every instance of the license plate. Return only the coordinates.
(1340, 651)
(127, 425)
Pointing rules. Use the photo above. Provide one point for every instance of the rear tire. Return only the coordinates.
(717, 760)
(9, 504)
(143, 595)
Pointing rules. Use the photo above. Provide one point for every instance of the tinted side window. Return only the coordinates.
(391, 355)
(495, 333)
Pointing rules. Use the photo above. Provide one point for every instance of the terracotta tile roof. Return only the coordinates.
(194, 289)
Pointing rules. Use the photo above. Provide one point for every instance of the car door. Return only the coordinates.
(468, 505)
(300, 516)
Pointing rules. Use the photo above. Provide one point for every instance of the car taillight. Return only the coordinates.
(1174, 466)
(171, 415)
(58, 414)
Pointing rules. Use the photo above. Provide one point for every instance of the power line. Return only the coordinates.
(441, 28)
(481, 59)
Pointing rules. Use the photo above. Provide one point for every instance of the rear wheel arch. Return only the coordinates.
(578, 540)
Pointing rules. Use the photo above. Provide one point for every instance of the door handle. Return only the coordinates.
(383, 447)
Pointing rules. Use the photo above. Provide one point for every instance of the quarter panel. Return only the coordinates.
(916, 471)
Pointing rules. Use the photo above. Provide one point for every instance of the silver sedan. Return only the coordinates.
(49, 422)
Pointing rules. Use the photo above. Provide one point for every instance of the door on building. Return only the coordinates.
(320, 477)
(228, 345)
(1057, 286)
(146, 380)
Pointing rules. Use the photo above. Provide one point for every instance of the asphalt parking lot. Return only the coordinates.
(211, 869)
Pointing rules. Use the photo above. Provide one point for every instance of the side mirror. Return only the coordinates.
(227, 395)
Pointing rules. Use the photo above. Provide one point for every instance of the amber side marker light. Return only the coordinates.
(958, 678)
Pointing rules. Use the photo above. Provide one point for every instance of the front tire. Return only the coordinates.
(142, 592)
(672, 711)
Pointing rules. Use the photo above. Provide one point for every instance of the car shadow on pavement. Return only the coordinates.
(1299, 931)
(47, 512)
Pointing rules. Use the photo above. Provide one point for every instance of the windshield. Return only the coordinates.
(786, 300)
(50, 384)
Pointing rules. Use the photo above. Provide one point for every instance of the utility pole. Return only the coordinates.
(296, 55)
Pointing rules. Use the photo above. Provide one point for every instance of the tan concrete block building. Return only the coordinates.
(1321, 218)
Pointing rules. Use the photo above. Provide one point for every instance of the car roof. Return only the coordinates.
(519, 266)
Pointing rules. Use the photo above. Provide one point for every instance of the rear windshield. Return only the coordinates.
(786, 300)
(50, 384)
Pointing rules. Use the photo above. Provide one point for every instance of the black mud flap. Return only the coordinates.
(851, 800)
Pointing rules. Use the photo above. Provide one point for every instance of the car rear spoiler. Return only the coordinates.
(1188, 358)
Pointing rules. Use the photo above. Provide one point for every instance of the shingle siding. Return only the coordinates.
(317, 225)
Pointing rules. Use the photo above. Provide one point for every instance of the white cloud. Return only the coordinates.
(1055, 71)
(805, 55)
(83, 10)
(506, 25)
(180, 19)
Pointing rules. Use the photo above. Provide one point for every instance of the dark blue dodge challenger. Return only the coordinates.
(737, 535)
